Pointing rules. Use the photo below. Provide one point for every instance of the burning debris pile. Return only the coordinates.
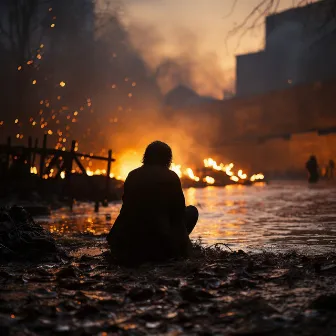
(215, 174)
(211, 174)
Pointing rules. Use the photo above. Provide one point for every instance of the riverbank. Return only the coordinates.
(217, 292)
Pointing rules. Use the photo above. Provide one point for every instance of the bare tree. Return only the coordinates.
(21, 26)
(256, 16)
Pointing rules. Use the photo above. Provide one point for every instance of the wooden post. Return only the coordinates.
(9, 141)
(29, 151)
(34, 153)
(69, 159)
(68, 171)
(96, 206)
(108, 172)
(43, 155)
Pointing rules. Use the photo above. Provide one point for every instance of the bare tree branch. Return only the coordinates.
(256, 17)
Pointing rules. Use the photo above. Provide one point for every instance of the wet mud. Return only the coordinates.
(216, 292)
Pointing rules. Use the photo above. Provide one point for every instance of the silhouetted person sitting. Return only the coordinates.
(313, 169)
(154, 224)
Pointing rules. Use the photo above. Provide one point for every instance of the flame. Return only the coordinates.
(257, 177)
(62, 174)
(130, 160)
(209, 180)
(242, 175)
(33, 170)
(210, 163)
(127, 161)
(177, 169)
(189, 172)
(228, 169)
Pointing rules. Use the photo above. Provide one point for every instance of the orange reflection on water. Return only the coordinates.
(190, 196)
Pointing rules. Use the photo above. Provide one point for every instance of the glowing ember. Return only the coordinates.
(234, 178)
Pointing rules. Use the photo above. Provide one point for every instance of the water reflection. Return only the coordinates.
(279, 215)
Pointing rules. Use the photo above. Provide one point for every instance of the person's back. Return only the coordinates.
(151, 224)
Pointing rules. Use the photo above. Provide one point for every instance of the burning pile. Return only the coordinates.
(210, 174)
(214, 174)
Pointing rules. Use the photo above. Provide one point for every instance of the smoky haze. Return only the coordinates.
(131, 102)
(105, 89)
(176, 57)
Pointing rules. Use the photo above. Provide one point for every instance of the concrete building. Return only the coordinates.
(300, 47)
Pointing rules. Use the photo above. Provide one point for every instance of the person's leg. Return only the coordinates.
(191, 217)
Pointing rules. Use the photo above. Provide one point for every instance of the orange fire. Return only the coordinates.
(129, 160)
(227, 168)
(257, 177)
(209, 180)
(189, 172)
(177, 169)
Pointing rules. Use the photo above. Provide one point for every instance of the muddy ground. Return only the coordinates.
(217, 292)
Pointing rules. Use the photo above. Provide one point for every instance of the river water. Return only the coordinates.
(279, 216)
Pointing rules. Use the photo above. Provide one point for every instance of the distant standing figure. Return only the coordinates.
(313, 169)
(154, 223)
(330, 169)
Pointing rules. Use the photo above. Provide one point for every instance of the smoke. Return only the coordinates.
(129, 97)
(178, 58)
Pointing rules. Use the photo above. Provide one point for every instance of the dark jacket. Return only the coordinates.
(150, 225)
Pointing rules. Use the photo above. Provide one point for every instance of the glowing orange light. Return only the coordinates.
(177, 169)
(189, 172)
(62, 84)
(209, 180)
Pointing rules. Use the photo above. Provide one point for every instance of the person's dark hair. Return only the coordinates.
(158, 153)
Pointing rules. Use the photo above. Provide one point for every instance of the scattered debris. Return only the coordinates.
(22, 238)
(216, 292)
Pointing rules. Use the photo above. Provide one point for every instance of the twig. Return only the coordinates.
(7, 248)
(215, 245)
